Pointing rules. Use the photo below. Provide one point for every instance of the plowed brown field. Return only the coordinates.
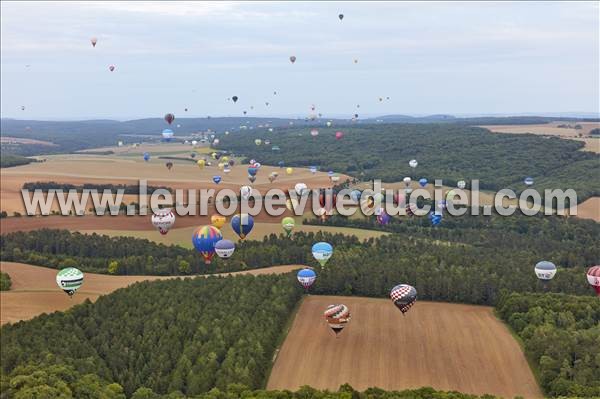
(444, 346)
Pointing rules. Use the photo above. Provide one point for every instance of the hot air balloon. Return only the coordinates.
(258, 141)
(216, 179)
(252, 170)
(435, 218)
(242, 224)
(167, 134)
(528, 181)
(234, 98)
(246, 192)
(251, 178)
(383, 218)
(461, 184)
(413, 163)
(339, 135)
(69, 280)
(163, 220)
(314, 132)
(341, 16)
(201, 163)
(94, 41)
(272, 176)
(593, 277)
(355, 196)
(289, 170)
(328, 123)
(306, 277)
(146, 157)
(185, 109)
(322, 251)
(216, 141)
(312, 169)
(218, 220)
(281, 164)
(169, 118)
(337, 317)
(403, 296)
(224, 248)
(169, 165)
(545, 270)
(355, 61)
(407, 180)
(205, 239)
(111, 68)
(423, 182)
(335, 178)
(288, 224)
(301, 188)
(293, 59)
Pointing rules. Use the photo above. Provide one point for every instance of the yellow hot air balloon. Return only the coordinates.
(225, 158)
(214, 155)
(218, 221)
(289, 171)
(201, 163)
(221, 165)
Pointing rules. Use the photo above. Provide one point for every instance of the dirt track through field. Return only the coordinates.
(444, 346)
(34, 290)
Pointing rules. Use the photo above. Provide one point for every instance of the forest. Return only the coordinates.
(561, 335)
(9, 160)
(5, 281)
(450, 152)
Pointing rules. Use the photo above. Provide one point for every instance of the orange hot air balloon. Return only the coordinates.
(218, 221)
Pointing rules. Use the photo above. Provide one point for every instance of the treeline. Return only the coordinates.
(65, 382)
(561, 334)
(450, 152)
(9, 160)
(185, 336)
(127, 188)
(5, 281)
(132, 256)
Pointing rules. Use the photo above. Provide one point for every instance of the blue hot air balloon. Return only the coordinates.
(423, 182)
(204, 239)
(322, 251)
(355, 195)
(252, 170)
(281, 164)
(435, 218)
(146, 157)
(306, 277)
(217, 179)
(242, 224)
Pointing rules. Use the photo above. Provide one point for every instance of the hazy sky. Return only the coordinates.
(460, 58)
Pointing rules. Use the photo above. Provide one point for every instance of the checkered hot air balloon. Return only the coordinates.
(593, 277)
(403, 296)
(306, 277)
(69, 280)
(337, 317)
(205, 239)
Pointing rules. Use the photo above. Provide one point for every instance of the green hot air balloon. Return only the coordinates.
(288, 224)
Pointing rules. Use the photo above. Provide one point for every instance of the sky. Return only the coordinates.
(462, 58)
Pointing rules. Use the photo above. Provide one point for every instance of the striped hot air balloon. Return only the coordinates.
(306, 277)
(204, 240)
(593, 277)
(337, 317)
(403, 296)
(69, 280)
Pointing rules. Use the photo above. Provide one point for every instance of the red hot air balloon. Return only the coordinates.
(339, 135)
(593, 277)
(169, 118)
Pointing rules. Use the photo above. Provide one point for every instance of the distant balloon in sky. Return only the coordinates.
(111, 68)
(169, 118)
(328, 123)
(293, 59)
(94, 41)
(314, 132)
(341, 16)
(234, 98)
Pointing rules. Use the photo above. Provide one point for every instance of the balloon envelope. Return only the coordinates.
(163, 220)
(337, 317)
(306, 277)
(224, 248)
(217, 179)
(288, 224)
(404, 296)
(69, 280)
(169, 118)
(593, 277)
(204, 240)
(242, 224)
(218, 221)
(322, 251)
(545, 270)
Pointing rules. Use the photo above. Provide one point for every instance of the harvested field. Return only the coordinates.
(552, 129)
(589, 209)
(441, 345)
(34, 290)
(23, 141)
